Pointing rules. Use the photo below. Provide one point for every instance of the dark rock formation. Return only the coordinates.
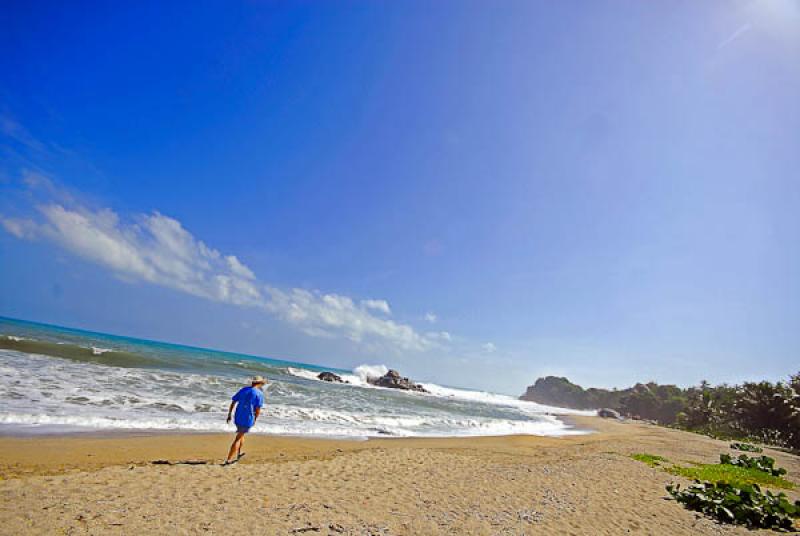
(643, 401)
(607, 413)
(330, 377)
(560, 392)
(393, 380)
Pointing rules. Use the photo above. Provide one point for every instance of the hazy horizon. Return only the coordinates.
(475, 196)
(318, 363)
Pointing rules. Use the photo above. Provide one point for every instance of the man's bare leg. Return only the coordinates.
(235, 446)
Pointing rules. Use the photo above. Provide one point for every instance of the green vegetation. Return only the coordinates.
(755, 411)
(650, 459)
(754, 471)
(747, 447)
(732, 474)
(740, 504)
(729, 491)
(561, 392)
(762, 463)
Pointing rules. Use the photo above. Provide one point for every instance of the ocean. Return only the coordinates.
(60, 379)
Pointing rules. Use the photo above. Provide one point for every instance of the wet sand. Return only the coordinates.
(107, 484)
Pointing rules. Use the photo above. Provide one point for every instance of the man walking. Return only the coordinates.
(248, 402)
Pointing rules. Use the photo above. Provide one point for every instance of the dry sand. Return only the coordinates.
(495, 485)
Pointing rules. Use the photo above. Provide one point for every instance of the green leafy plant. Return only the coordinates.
(747, 447)
(762, 463)
(744, 505)
(732, 474)
(650, 459)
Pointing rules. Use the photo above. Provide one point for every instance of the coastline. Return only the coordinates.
(580, 484)
(573, 425)
(49, 453)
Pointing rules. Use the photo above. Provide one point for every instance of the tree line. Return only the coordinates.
(758, 411)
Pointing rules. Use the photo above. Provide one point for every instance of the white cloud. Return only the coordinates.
(157, 249)
(431, 317)
(21, 228)
(153, 248)
(321, 314)
(238, 268)
(440, 335)
(377, 305)
(489, 347)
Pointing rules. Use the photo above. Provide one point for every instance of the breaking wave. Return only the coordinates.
(105, 382)
(362, 373)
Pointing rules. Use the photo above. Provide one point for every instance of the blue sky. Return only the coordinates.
(476, 195)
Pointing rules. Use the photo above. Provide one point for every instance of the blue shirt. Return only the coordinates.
(248, 400)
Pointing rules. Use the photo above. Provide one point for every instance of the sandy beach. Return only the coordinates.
(96, 484)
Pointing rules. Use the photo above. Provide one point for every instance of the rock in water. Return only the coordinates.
(393, 380)
(607, 413)
(330, 377)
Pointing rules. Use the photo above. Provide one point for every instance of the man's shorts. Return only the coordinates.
(242, 429)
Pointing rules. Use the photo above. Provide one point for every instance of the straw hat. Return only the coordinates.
(258, 380)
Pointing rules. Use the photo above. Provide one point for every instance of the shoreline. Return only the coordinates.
(573, 426)
(56, 453)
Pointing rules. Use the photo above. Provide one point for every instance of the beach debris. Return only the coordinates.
(301, 530)
(331, 377)
(608, 413)
(529, 516)
(394, 380)
(180, 462)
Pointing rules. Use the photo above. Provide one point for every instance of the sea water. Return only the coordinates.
(56, 379)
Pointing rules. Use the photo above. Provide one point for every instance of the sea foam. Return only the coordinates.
(98, 381)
